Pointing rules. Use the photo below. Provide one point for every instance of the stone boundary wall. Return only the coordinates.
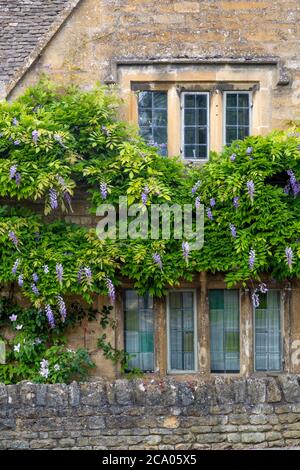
(223, 413)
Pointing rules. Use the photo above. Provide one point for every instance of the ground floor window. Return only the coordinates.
(139, 330)
(268, 332)
(224, 315)
(181, 331)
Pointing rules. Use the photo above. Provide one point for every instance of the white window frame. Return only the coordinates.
(207, 94)
(224, 102)
(281, 320)
(176, 371)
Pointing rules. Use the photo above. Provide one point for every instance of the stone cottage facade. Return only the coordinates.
(194, 75)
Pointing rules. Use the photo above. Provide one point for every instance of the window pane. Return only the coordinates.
(195, 125)
(153, 120)
(268, 333)
(237, 116)
(181, 331)
(139, 330)
(224, 330)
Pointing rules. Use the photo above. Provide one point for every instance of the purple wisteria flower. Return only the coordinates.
(249, 150)
(61, 181)
(111, 290)
(35, 278)
(236, 202)
(196, 186)
(35, 289)
(232, 157)
(232, 230)
(13, 317)
(59, 272)
(252, 255)
(46, 269)
(88, 274)
(15, 266)
(13, 238)
(44, 370)
(50, 316)
(145, 195)
(15, 121)
(12, 171)
(17, 142)
(255, 299)
(293, 184)
(79, 275)
(53, 198)
(58, 138)
(263, 288)
(212, 202)
(250, 188)
(289, 256)
(157, 260)
(20, 280)
(209, 213)
(67, 197)
(18, 178)
(103, 190)
(185, 251)
(197, 202)
(35, 136)
(62, 307)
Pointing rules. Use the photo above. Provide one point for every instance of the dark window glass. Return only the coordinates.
(195, 126)
(153, 118)
(139, 330)
(181, 331)
(237, 116)
(224, 330)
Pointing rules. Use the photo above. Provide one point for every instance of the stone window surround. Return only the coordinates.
(216, 78)
(201, 287)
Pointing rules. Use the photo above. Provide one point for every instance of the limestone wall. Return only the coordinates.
(166, 414)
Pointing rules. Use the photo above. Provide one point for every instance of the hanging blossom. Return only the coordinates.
(53, 198)
(250, 188)
(59, 272)
(251, 259)
(212, 202)
(249, 150)
(236, 202)
(197, 202)
(15, 266)
(12, 171)
(15, 121)
(293, 184)
(35, 278)
(255, 299)
(185, 251)
(79, 275)
(289, 256)
(35, 136)
(232, 157)
(13, 238)
(18, 178)
(209, 213)
(145, 195)
(196, 186)
(157, 260)
(88, 274)
(103, 190)
(44, 370)
(46, 269)
(17, 142)
(61, 307)
(232, 230)
(20, 280)
(35, 289)
(263, 288)
(111, 290)
(50, 316)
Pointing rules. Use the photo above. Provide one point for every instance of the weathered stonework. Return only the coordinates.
(142, 414)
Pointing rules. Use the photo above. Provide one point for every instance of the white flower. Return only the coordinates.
(17, 348)
(56, 367)
(44, 372)
(19, 327)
